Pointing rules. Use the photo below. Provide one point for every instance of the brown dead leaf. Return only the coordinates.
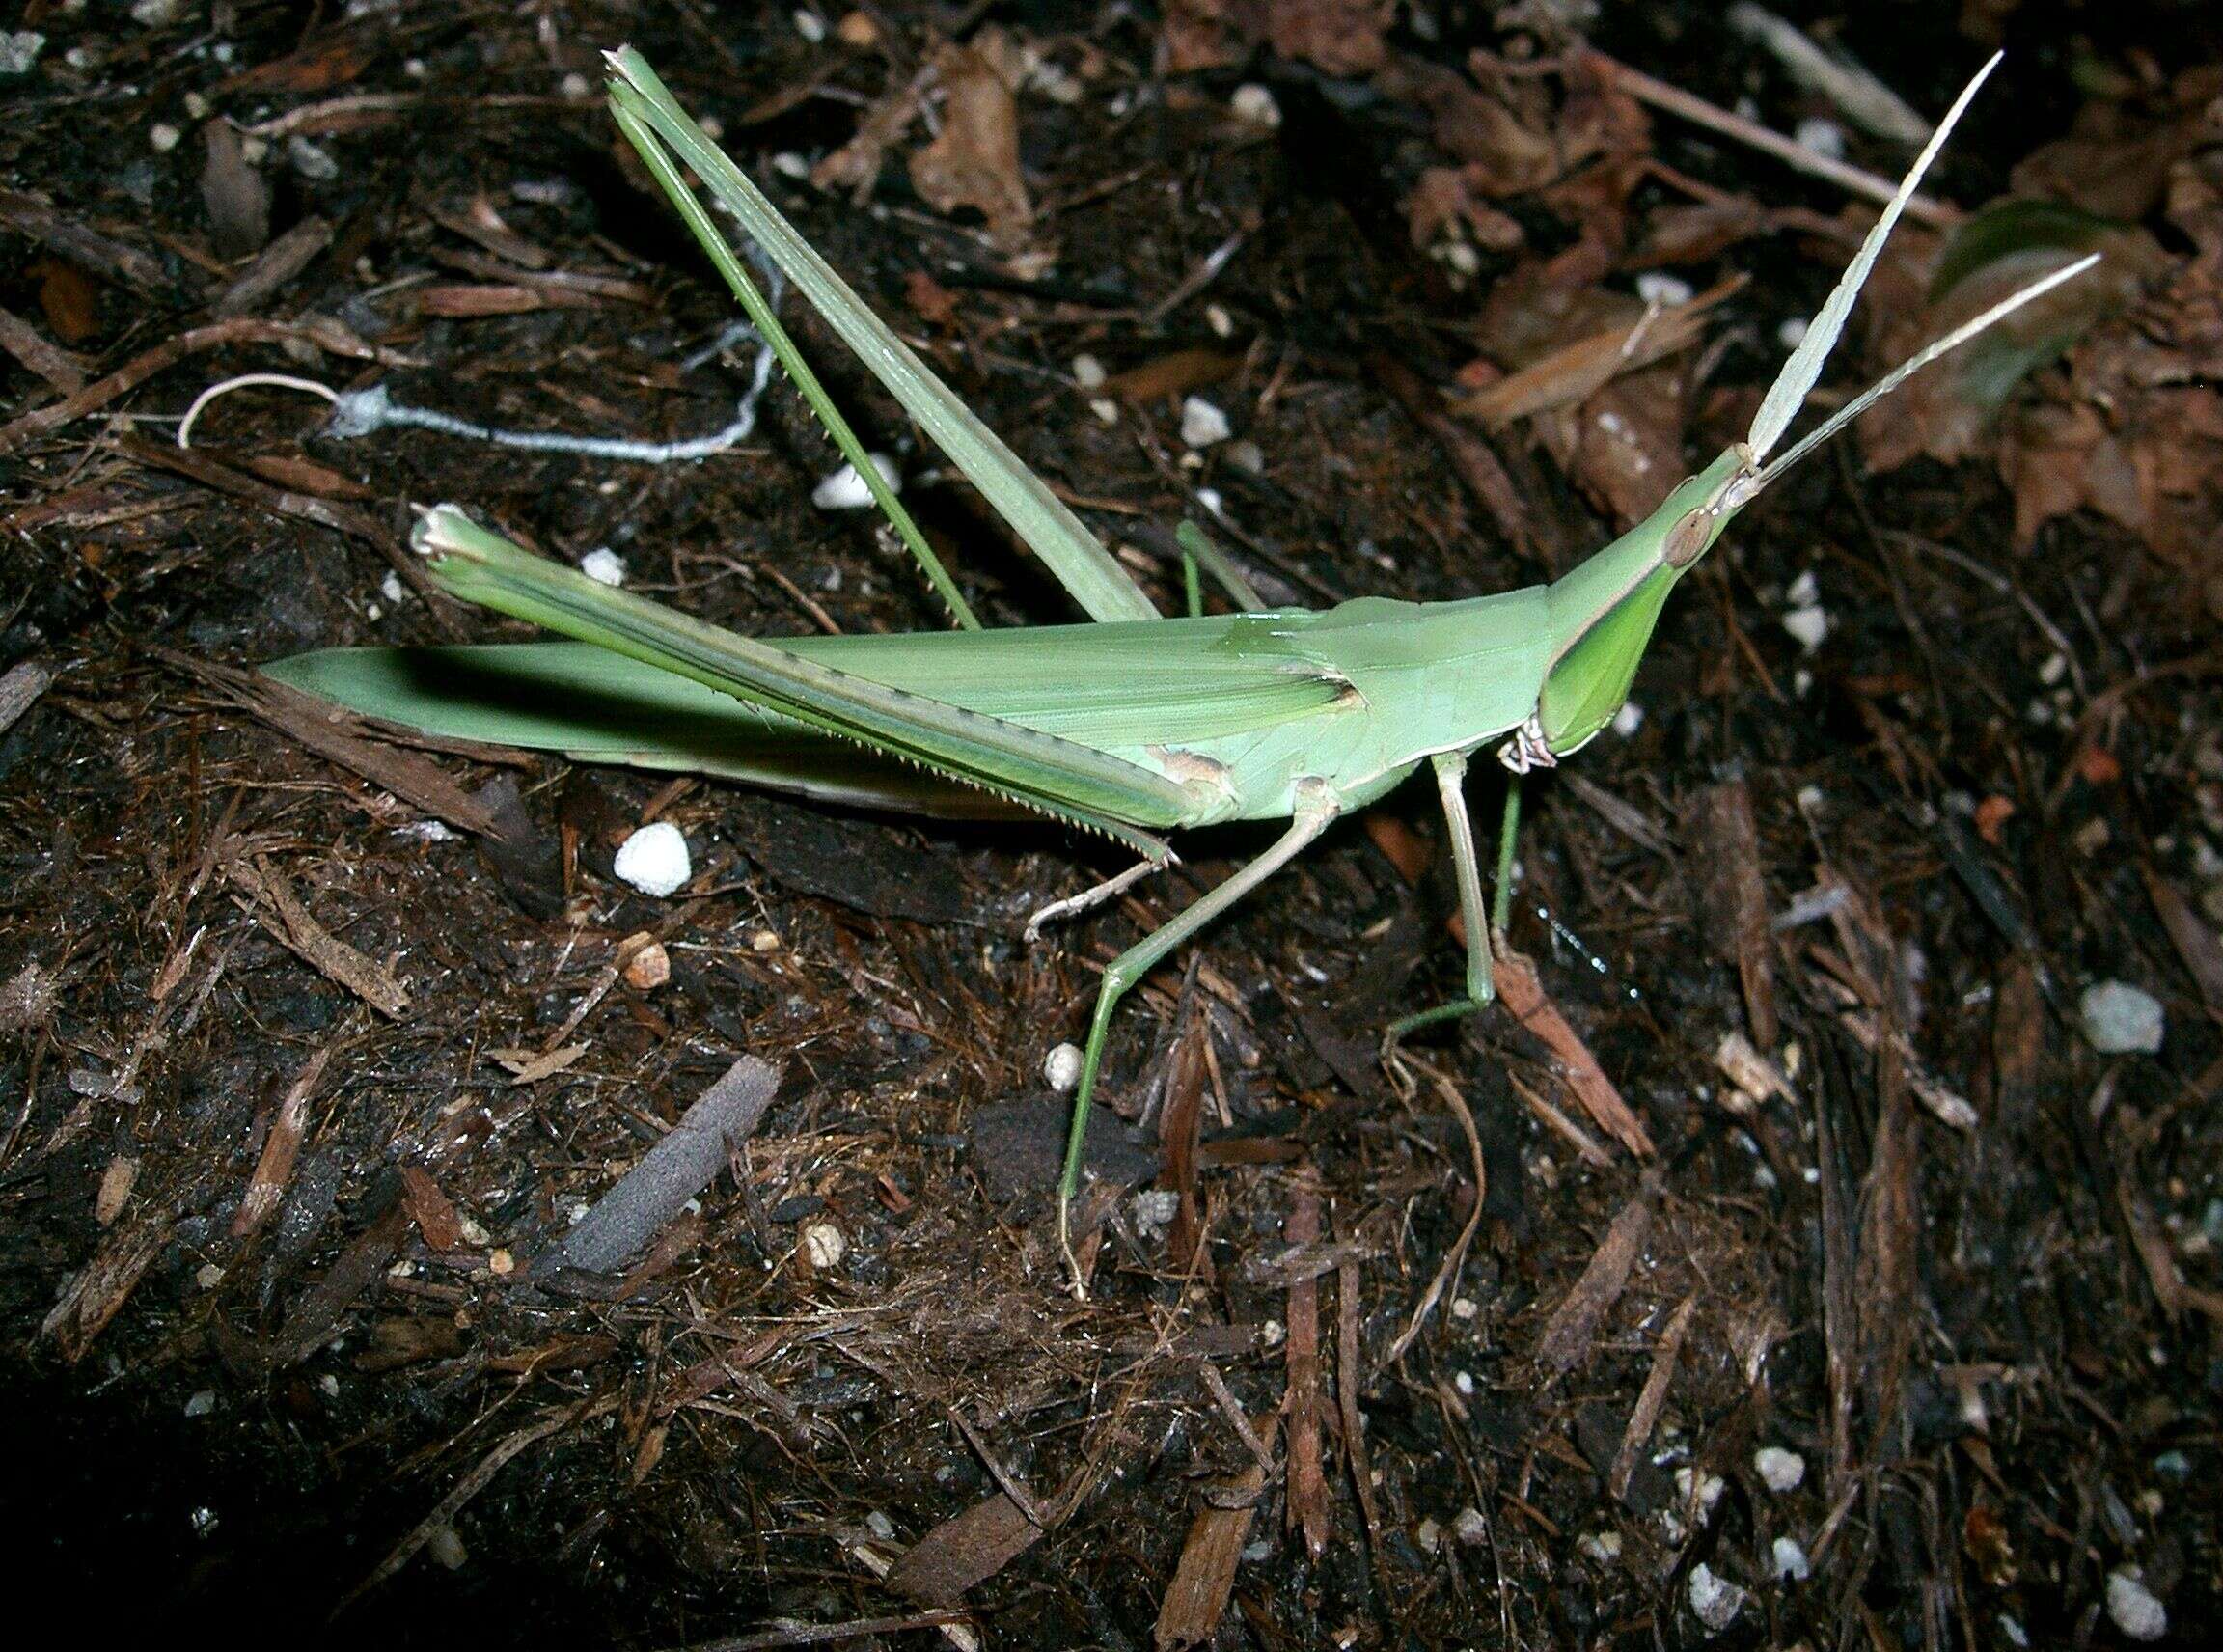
(1522, 992)
(67, 299)
(1338, 37)
(974, 161)
(1448, 197)
(935, 304)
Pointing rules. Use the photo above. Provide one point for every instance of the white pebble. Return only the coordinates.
(1156, 1208)
(1629, 719)
(2121, 1020)
(811, 26)
(1819, 136)
(788, 164)
(845, 490)
(20, 49)
(1061, 1068)
(1088, 372)
(603, 565)
(1106, 409)
(1700, 1487)
(1469, 1527)
(1808, 626)
(390, 587)
(575, 88)
(162, 137)
(1658, 286)
(1805, 591)
(1217, 319)
(1602, 1547)
(1203, 423)
(1715, 1600)
(1254, 107)
(1779, 1471)
(824, 1245)
(1791, 331)
(1789, 1561)
(654, 860)
(2133, 1608)
(313, 162)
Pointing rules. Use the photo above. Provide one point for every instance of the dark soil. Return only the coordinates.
(277, 1362)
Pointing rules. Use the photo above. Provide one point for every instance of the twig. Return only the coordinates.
(1852, 179)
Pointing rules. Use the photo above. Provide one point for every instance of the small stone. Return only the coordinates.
(1217, 319)
(162, 137)
(856, 29)
(501, 1262)
(1819, 136)
(1106, 409)
(20, 49)
(1156, 1207)
(1203, 423)
(2121, 1020)
(654, 860)
(1253, 105)
(1602, 1547)
(650, 968)
(1464, 1308)
(846, 490)
(1061, 1068)
(312, 162)
(1791, 331)
(1779, 1471)
(1805, 591)
(1428, 1536)
(2133, 1608)
(811, 26)
(1808, 626)
(1629, 719)
(824, 1245)
(202, 1404)
(1715, 1600)
(390, 587)
(604, 567)
(1789, 1561)
(788, 164)
(1246, 456)
(1658, 286)
(447, 1548)
(1469, 1527)
(1088, 372)
(1699, 1488)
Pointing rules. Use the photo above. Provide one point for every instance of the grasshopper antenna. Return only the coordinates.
(1796, 380)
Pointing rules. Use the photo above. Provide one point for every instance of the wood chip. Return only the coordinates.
(281, 1149)
(531, 1066)
(1729, 864)
(1303, 1405)
(1522, 992)
(289, 921)
(1205, 1577)
(1657, 1382)
(1573, 1324)
(964, 1550)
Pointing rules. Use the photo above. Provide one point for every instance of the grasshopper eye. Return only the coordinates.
(1689, 539)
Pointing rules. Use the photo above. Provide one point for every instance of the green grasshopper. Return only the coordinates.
(1133, 725)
